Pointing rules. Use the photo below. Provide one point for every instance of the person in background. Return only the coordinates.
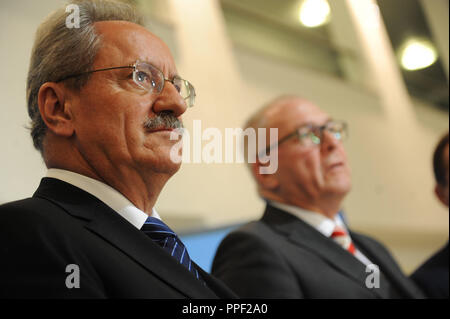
(432, 276)
(103, 98)
(301, 248)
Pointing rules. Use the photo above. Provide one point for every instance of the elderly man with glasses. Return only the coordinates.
(301, 248)
(103, 99)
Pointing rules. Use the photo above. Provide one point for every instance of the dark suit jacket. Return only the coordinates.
(61, 225)
(281, 256)
(432, 276)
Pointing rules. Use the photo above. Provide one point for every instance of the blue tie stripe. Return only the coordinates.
(174, 247)
(182, 256)
(161, 234)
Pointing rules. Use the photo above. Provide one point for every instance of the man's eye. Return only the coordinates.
(142, 76)
(177, 83)
(305, 133)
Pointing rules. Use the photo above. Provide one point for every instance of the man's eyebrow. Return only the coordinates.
(328, 120)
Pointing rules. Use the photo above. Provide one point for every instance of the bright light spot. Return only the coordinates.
(314, 13)
(417, 54)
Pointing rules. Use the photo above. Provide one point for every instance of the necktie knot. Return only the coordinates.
(342, 238)
(156, 229)
(167, 239)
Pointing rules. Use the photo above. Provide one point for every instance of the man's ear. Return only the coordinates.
(55, 110)
(265, 181)
(441, 193)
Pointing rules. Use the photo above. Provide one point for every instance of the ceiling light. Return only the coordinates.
(417, 54)
(314, 13)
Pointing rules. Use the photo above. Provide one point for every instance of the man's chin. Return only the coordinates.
(341, 187)
(168, 167)
(159, 164)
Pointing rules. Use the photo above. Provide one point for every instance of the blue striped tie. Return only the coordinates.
(165, 237)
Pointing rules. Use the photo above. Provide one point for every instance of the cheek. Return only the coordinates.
(304, 167)
(313, 168)
(97, 128)
(156, 146)
(90, 112)
(155, 152)
(111, 118)
(133, 116)
(347, 165)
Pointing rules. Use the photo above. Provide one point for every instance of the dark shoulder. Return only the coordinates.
(43, 229)
(29, 209)
(433, 275)
(33, 217)
(38, 240)
(28, 206)
(437, 263)
(255, 230)
(253, 236)
(250, 244)
(439, 259)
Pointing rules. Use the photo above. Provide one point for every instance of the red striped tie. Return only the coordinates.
(341, 237)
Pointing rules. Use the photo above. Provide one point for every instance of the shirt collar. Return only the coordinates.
(106, 194)
(318, 221)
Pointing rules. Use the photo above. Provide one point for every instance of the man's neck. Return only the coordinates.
(143, 193)
(140, 185)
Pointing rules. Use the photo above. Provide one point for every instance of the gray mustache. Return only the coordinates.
(163, 120)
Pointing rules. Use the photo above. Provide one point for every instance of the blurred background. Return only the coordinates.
(382, 66)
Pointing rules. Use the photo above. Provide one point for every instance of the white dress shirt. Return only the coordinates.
(321, 223)
(106, 194)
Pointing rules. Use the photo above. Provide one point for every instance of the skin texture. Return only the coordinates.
(99, 131)
(317, 178)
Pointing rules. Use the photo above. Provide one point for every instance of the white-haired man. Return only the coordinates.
(301, 248)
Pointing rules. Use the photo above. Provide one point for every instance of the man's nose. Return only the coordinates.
(328, 141)
(169, 100)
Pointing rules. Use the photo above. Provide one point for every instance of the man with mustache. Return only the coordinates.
(103, 99)
(301, 248)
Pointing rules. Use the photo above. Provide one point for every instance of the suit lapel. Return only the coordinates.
(304, 235)
(387, 265)
(113, 228)
(219, 288)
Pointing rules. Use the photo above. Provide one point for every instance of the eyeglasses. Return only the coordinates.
(310, 135)
(151, 79)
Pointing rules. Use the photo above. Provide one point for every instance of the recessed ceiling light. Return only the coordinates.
(314, 13)
(417, 54)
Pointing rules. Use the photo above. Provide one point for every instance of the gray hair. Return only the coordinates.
(59, 51)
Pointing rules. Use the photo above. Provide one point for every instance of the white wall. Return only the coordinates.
(20, 166)
(233, 82)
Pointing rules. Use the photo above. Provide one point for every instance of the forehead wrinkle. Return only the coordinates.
(124, 43)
